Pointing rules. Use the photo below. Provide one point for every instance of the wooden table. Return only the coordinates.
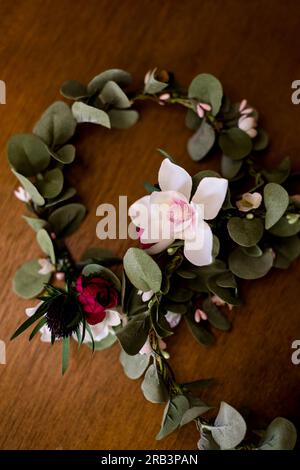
(253, 48)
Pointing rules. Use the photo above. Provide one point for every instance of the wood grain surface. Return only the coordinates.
(253, 48)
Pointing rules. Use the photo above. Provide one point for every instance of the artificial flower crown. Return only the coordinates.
(198, 237)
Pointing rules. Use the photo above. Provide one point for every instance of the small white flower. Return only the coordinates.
(45, 332)
(249, 201)
(46, 266)
(173, 319)
(104, 328)
(171, 214)
(22, 195)
(146, 296)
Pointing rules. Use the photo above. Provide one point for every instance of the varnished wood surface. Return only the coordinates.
(253, 48)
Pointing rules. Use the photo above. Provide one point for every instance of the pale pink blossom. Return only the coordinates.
(165, 97)
(146, 296)
(202, 108)
(22, 195)
(199, 315)
(171, 214)
(46, 266)
(147, 349)
(220, 302)
(249, 202)
(60, 276)
(173, 319)
(246, 122)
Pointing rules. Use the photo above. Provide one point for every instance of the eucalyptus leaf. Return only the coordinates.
(45, 242)
(192, 120)
(201, 142)
(280, 435)
(283, 228)
(152, 85)
(65, 154)
(28, 282)
(134, 366)
(229, 167)
(276, 200)
(229, 295)
(253, 251)
(67, 194)
(207, 89)
(261, 140)
(27, 154)
(226, 279)
(229, 428)
(74, 90)
(280, 173)
(103, 272)
(114, 95)
(117, 75)
(215, 316)
(152, 387)
(142, 270)
(286, 250)
(206, 441)
(122, 118)
(35, 223)
(82, 112)
(245, 232)
(57, 124)
(201, 334)
(66, 219)
(174, 411)
(235, 143)
(37, 198)
(193, 413)
(51, 184)
(250, 267)
(134, 335)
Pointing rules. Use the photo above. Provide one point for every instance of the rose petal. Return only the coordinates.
(172, 177)
(202, 255)
(211, 192)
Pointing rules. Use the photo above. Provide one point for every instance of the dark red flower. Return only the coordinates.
(96, 295)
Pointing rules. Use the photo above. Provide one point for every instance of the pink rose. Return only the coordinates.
(96, 295)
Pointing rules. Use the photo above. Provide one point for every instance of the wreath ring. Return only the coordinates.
(248, 218)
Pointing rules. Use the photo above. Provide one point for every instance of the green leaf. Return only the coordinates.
(287, 250)
(35, 223)
(207, 89)
(280, 174)
(192, 120)
(229, 295)
(153, 86)
(226, 279)
(114, 95)
(215, 316)
(101, 271)
(84, 113)
(37, 328)
(142, 270)
(253, 251)
(261, 140)
(42, 309)
(30, 188)
(27, 282)
(27, 154)
(117, 75)
(122, 118)
(65, 154)
(134, 335)
(65, 354)
(250, 267)
(229, 428)
(235, 143)
(280, 435)
(276, 200)
(67, 194)
(201, 142)
(174, 411)
(283, 228)
(46, 244)
(134, 366)
(57, 124)
(193, 413)
(201, 334)
(229, 167)
(245, 232)
(153, 388)
(52, 183)
(66, 219)
(102, 256)
(74, 90)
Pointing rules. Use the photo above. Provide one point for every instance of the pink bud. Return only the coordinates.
(205, 106)
(60, 276)
(243, 105)
(53, 236)
(165, 96)
(199, 315)
(200, 111)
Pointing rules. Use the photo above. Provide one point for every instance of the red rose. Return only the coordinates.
(96, 295)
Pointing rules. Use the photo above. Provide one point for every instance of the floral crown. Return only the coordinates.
(198, 237)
